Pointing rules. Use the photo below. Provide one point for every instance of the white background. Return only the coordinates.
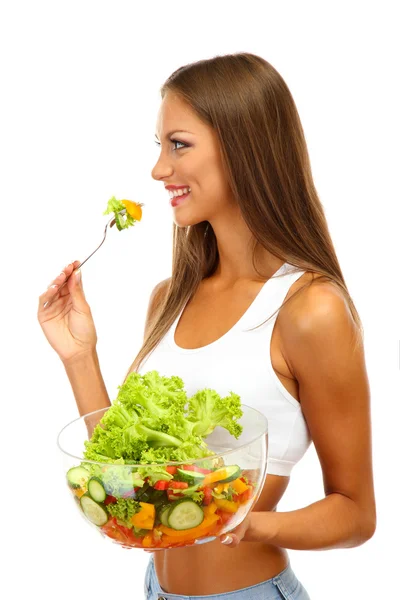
(79, 99)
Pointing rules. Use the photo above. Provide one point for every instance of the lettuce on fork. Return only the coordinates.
(153, 421)
(132, 212)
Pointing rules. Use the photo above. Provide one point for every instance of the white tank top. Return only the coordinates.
(240, 362)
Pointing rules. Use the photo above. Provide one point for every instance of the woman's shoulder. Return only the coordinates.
(312, 301)
(317, 316)
(156, 299)
(160, 290)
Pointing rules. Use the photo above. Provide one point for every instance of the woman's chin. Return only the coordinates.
(187, 220)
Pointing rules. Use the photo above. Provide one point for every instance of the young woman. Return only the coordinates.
(256, 303)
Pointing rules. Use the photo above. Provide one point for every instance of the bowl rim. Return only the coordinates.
(166, 463)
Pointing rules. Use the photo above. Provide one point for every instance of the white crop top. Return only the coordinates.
(240, 361)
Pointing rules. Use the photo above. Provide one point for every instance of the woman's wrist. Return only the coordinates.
(87, 382)
(87, 355)
(261, 527)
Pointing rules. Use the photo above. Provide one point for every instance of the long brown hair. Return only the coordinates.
(266, 159)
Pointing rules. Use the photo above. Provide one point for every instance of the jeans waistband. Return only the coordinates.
(286, 582)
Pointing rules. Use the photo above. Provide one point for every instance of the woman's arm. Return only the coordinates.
(325, 354)
(84, 372)
(87, 382)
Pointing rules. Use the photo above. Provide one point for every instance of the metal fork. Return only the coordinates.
(109, 225)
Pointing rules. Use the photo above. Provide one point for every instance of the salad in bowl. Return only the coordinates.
(159, 470)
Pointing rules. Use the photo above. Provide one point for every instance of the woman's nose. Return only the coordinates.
(161, 169)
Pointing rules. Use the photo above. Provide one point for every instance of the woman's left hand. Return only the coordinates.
(241, 532)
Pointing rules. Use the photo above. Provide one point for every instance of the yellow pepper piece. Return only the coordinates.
(221, 487)
(144, 523)
(133, 209)
(239, 486)
(145, 517)
(148, 508)
(227, 505)
(78, 492)
(169, 540)
(214, 476)
(210, 509)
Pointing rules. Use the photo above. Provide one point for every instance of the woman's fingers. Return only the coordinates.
(59, 280)
(49, 295)
(65, 273)
(54, 288)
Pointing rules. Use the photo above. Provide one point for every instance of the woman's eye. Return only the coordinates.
(173, 142)
(178, 142)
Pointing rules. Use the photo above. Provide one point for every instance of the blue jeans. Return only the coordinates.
(284, 586)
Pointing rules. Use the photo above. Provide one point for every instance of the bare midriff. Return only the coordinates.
(212, 568)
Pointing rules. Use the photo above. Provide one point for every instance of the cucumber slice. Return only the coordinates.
(93, 511)
(78, 477)
(232, 473)
(164, 514)
(191, 477)
(185, 514)
(96, 489)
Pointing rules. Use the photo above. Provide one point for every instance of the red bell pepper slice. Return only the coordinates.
(171, 469)
(110, 500)
(120, 533)
(207, 496)
(161, 484)
(178, 485)
(247, 494)
(225, 516)
(196, 469)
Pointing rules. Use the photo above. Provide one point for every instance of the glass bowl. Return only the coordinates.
(179, 504)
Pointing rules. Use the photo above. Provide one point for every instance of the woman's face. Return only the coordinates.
(190, 157)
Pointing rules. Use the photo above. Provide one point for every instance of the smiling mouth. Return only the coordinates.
(176, 200)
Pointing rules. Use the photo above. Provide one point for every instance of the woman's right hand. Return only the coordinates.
(67, 322)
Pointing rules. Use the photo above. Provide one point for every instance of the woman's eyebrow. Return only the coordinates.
(167, 135)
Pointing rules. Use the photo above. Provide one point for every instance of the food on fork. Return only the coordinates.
(126, 212)
(132, 212)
